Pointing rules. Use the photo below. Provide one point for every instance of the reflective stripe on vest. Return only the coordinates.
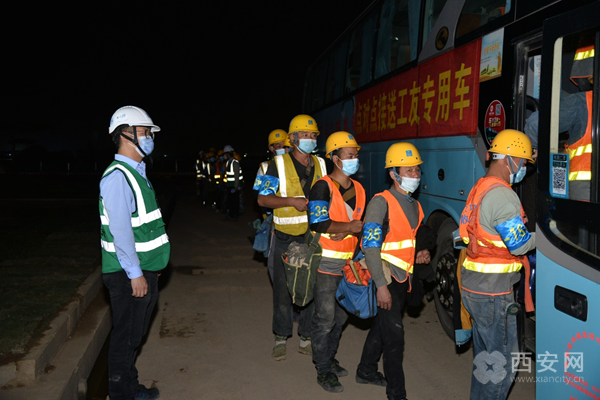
(404, 244)
(580, 152)
(492, 268)
(139, 247)
(290, 220)
(582, 54)
(287, 219)
(231, 173)
(397, 262)
(343, 249)
(264, 166)
(398, 247)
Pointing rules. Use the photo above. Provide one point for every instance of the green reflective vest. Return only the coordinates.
(151, 240)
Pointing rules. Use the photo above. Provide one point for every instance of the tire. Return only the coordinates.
(444, 264)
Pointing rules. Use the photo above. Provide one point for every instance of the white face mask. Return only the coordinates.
(407, 184)
(410, 184)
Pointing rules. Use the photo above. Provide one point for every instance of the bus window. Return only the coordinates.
(573, 133)
(571, 130)
(360, 56)
(477, 13)
(397, 35)
(433, 8)
(335, 74)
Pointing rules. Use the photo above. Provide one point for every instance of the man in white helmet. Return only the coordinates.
(135, 248)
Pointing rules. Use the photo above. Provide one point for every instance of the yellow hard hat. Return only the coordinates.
(276, 136)
(402, 154)
(303, 123)
(340, 139)
(512, 143)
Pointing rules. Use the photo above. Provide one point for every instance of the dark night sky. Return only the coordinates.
(209, 73)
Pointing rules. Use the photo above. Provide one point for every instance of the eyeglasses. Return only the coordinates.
(149, 134)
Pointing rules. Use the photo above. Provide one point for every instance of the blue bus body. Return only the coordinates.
(539, 43)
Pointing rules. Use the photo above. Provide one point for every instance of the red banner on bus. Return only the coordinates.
(437, 98)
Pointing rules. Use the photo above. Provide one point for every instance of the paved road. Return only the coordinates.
(211, 337)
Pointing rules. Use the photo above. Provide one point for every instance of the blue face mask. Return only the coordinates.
(350, 167)
(307, 146)
(516, 177)
(146, 144)
(280, 152)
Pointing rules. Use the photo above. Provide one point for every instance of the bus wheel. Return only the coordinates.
(444, 264)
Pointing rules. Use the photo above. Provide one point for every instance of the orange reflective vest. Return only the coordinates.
(398, 247)
(580, 152)
(344, 249)
(486, 252)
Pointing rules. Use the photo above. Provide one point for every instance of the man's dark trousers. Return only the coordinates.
(131, 319)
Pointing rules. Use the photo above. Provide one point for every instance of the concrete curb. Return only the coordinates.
(26, 370)
(66, 378)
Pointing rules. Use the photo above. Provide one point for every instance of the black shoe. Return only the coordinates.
(144, 393)
(329, 381)
(229, 218)
(337, 369)
(374, 378)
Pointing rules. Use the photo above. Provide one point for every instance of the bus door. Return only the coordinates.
(568, 214)
(527, 59)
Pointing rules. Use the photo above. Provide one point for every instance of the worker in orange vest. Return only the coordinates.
(492, 224)
(335, 208)
(389, 245)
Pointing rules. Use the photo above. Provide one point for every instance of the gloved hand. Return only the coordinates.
(232, 190)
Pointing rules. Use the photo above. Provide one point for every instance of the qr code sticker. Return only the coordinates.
(559, 181)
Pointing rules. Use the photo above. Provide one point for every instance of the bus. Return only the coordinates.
(447, 76)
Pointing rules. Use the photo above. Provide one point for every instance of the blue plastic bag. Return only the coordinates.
(263, 230)
(358, 299)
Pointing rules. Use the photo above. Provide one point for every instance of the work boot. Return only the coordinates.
(144, 393)
(337, 369)
(305, 346)
(374, 378)
(329, 381)
(279, 351)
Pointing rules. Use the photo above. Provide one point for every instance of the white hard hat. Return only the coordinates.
(227, 149)
(132, 116)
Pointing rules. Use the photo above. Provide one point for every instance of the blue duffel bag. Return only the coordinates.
(356, 291)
